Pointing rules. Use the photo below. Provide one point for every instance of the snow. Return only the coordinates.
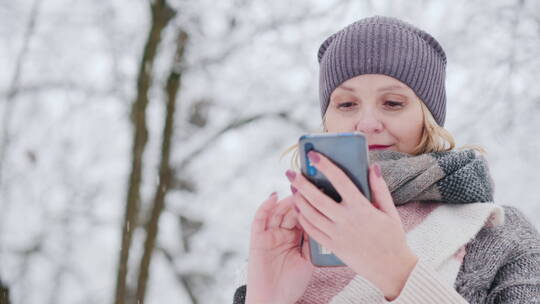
(64, 177)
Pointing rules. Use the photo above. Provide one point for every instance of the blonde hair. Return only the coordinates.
(434, 139)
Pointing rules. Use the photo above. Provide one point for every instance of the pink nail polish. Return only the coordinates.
(313, 157)
(293, 189)
(273, 193)
(377, 170)
(290, 175)
(296, 208)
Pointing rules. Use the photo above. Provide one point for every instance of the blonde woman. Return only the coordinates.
(432, 233)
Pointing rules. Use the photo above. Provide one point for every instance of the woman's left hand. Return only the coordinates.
(367, 236)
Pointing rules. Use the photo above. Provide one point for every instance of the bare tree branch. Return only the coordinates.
(10, 97)
(26, 255)
(238, 123)
(161, 13)
(274, 24)
(504, 81)
(512, 56)
(173, 83)
(62, 85)
(181, 278)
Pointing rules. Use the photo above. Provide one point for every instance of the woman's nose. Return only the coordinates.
(369, 124)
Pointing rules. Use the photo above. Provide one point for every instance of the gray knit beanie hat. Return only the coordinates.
(389, 46)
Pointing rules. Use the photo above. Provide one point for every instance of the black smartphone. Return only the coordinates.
(349, 151)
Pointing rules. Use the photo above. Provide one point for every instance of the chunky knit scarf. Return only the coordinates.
(459, 177)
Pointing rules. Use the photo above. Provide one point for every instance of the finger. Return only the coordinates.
(348, 191)
(305, 246)
(262, 213)
(314, 232)
(279, 212)
(380, 194)
(319, 200)
(290, 220)
(319, 220)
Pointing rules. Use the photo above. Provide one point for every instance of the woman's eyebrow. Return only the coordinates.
(391, 87)
(346, 88)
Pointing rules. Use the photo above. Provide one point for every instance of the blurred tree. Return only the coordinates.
(4, 294)
(161, 14)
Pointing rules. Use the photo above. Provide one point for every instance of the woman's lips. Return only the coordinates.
(378, 147)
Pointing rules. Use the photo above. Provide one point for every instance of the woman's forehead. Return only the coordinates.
(375, 82)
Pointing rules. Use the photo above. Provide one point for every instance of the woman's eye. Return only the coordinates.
(394, 104)
(346, 105)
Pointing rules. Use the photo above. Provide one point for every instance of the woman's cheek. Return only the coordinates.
(339, 124)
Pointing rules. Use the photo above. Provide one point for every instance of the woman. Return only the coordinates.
(432, 233)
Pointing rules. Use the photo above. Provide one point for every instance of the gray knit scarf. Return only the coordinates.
(450, 177)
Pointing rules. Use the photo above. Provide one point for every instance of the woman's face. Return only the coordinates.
(386, 110)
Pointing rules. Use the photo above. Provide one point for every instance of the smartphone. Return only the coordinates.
(349, 151)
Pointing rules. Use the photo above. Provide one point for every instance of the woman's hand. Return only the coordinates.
(278, 269)
(368, 237)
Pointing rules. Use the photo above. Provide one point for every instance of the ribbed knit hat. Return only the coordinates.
(389, 46)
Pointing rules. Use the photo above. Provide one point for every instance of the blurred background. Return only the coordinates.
(138, 137)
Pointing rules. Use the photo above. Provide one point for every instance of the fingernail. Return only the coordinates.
(313, 157)
(293, 189)
(296, 208)
(377, 170)
(290, 175)
(273, 193)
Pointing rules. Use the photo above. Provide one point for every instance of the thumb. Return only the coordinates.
(380, 195)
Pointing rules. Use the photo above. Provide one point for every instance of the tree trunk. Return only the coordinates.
(173, 83)
(4, 294)
(162, 13)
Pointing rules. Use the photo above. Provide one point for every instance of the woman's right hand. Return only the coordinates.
(278, 269)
